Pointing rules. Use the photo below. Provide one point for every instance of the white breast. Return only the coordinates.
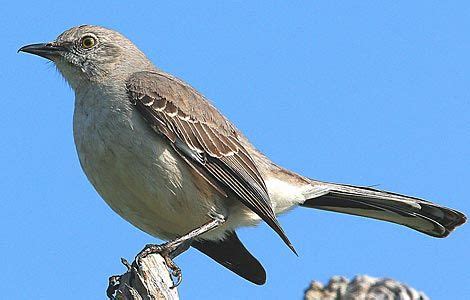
(139, 175)
(135, 170)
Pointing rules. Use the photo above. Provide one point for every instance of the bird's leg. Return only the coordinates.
(181, 248)
(173, 248)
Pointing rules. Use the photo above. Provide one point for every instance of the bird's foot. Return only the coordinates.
(166, 250)
(171, 249)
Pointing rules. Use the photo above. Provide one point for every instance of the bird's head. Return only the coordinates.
(87, 54)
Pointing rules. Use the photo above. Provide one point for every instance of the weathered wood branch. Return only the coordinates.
(151, 280)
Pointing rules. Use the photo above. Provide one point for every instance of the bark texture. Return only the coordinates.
(362, 287)
(150, 280)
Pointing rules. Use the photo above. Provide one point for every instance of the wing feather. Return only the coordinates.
(205, 139)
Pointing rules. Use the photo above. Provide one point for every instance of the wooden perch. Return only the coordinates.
(150, 280)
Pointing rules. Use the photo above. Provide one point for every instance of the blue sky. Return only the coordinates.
(363, 93)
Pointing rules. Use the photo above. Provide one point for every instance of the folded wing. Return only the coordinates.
(204, 138)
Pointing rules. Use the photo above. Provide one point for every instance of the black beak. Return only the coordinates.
(46, 50)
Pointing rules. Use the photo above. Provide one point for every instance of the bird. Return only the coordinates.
(167, 161)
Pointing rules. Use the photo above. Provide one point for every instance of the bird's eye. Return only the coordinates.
(88, 42)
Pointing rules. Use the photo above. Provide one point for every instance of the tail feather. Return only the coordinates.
(232, 254)
(418, 214)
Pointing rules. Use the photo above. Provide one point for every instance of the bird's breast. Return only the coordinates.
(136, 171)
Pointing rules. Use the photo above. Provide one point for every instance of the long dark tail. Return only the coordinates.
(418, 214)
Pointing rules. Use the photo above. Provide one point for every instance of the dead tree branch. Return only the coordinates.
(150, 280)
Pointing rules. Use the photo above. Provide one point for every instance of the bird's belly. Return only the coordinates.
(140, 177)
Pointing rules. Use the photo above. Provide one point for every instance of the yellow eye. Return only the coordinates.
(88, 42)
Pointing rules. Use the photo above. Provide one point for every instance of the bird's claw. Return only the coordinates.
(165, 251)
(149, 249)
(175, 271)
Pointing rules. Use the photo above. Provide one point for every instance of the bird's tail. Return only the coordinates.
(418, 214)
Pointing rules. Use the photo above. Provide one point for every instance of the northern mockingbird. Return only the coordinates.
(166, 160)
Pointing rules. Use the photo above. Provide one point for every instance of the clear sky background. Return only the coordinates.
(363, 93)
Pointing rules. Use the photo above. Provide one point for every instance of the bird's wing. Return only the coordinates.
(203, 137)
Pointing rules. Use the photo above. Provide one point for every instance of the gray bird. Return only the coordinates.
(167, 161)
